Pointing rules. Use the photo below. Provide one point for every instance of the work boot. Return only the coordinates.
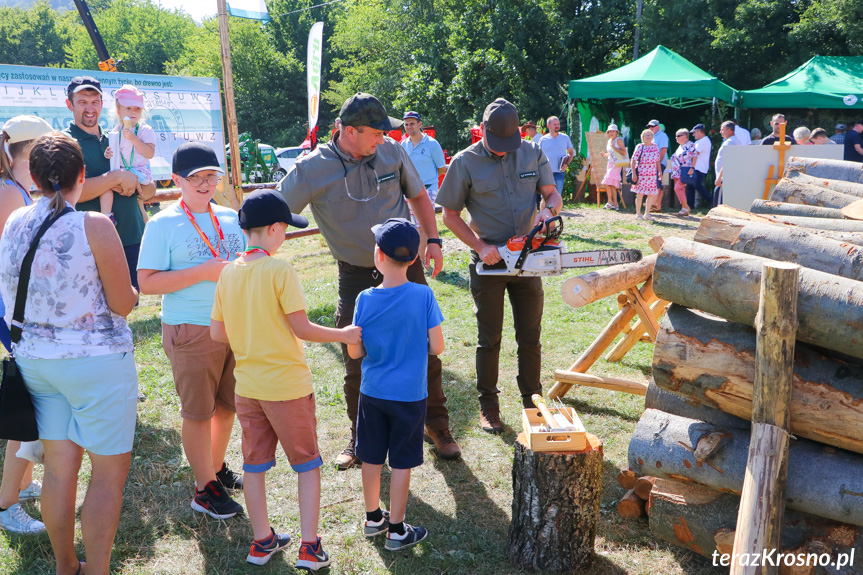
(347, 458)
(443, 442)
(489, 420)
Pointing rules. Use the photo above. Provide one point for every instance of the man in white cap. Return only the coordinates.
(497, 180)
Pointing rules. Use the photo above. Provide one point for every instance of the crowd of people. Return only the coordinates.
(371, 198)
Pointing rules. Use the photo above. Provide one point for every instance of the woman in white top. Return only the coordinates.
(75, 352)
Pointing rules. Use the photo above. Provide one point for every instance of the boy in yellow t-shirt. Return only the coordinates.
(259, 308)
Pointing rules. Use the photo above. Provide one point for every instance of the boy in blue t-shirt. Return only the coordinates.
(401, 324)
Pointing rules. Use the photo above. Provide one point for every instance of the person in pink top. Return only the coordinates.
(645, 168)
(131, 144)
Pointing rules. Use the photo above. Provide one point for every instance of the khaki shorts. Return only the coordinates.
(203, 370)
(291, 423)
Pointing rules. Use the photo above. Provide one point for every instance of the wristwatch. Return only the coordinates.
(437, 241)
(553, 211)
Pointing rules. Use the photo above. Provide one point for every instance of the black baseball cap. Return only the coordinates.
(398, 238)
(79, 83)
(501, 125)
(193, 157)
(365, 110)
(412, 114)
(266, 207)
(699, 127)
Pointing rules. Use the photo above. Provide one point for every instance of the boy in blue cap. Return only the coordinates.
(259, 308)
(401, 324)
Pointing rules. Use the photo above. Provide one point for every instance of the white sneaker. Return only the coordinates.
(639, 217)
(16, 520)
(32, 491)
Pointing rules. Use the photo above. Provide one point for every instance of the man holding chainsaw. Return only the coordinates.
(497, 179)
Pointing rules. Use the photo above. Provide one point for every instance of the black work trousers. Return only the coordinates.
(352, 280)
(526, 298)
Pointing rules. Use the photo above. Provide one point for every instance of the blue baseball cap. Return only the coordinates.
(412, 114)
(398, 238)
(699, 127)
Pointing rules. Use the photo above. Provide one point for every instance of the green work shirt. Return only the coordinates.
(349, 196)
(499, 192)
(130, 222)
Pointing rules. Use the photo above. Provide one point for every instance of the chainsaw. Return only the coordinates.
(534, 255)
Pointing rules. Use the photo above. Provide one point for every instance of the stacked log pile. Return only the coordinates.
(689, 449)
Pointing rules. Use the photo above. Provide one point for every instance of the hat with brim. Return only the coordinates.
(129, 95)
(530, 124)
(398, 238)
(26, 128)
(366, 110)
(652, 123)
(193, 157)
(699, 127)
(263, 208)
(612, 128)
(79, 83)
(501, 126)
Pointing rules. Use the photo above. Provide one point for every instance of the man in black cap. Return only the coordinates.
(84, 100)
(357, 180)
(497, 180)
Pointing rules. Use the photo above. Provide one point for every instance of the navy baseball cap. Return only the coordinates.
(412, 114)
(366, 110)
(501, 126)
(193, 157)
(398, 238)
(79, 83)
(699, 127)
(653, 123)
(266, 207)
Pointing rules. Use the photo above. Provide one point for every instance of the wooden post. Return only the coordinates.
(782, 146)
(762, 502)
(230, 108)
(555, 506)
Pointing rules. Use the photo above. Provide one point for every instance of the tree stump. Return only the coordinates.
(555, 506)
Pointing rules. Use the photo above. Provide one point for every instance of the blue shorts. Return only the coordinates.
(91, 401)
(384, 425)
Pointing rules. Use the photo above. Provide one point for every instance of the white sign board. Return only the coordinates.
(746, 168)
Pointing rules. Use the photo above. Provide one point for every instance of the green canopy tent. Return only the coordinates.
(659, 77)
(822, 82)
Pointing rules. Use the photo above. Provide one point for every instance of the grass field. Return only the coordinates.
(466, 504)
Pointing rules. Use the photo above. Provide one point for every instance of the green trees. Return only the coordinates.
(34, 37)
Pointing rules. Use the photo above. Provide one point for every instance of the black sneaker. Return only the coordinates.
(373, 529)
(228, 478)
(412, 536)
(215, 502)
(261, 551)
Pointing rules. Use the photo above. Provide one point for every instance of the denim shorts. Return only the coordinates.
(91, 401)
(384, 425)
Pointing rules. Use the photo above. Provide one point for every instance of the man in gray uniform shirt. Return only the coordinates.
(359, 179)
(497, 180)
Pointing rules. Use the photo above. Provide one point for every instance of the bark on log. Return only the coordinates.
(593, 286)
(555, 507)
(830, 169)
(851, 188)
(699, 519)
(822, 480)
(726, 283)
(711, 363)
(626, 478)
(676, 404)
(794, 210)
(630, 506)
(793, 193)
(784, 245)
(829, 224)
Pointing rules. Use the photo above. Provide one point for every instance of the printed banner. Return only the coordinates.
(313, 72)
(251, 9)
(178, 109)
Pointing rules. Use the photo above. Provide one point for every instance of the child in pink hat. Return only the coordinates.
(131, 144)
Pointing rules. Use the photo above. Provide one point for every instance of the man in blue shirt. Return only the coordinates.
(425, 153)
(558, 148)
(853, 143)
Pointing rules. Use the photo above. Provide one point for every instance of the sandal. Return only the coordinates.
(683, 213)
(80, 565)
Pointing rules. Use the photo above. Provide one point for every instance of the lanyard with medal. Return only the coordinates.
(201, 233)
(253, 250)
